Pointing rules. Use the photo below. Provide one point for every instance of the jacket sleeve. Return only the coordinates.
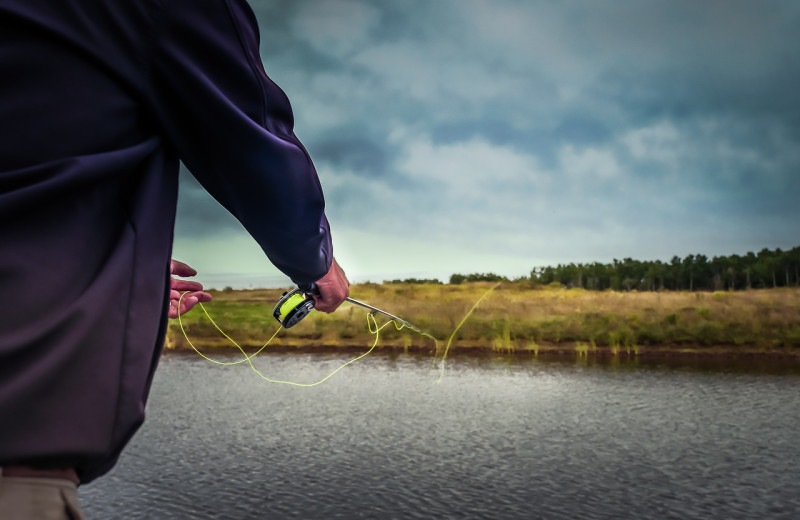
(233, 128)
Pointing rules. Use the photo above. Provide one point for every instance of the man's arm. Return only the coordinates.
(233, 128)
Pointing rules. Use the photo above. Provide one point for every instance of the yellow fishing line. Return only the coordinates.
(376, 331)
(453, 335)
(247, 358)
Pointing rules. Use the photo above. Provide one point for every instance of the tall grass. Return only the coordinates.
(517, 317)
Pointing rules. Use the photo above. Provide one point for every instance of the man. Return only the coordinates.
(99, 100)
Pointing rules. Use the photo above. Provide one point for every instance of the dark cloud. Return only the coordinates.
(199, 215)
(581, 128)
(640, 126)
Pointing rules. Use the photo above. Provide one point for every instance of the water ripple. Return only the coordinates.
(497, 439)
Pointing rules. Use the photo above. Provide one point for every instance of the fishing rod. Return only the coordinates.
(391, 316)
(297, 304)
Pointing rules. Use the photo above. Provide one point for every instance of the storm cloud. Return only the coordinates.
(499, 135)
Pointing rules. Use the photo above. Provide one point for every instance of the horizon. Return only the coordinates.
(255, 280)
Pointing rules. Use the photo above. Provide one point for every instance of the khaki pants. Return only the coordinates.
(39, 499)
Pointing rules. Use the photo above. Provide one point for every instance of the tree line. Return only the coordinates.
(764, 269)
(455, 279)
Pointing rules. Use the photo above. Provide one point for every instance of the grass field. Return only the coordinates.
(517, 317)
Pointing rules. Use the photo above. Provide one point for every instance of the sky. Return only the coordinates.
(468, 136)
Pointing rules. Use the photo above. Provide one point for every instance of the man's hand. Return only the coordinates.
(333, 289)
(194, 290)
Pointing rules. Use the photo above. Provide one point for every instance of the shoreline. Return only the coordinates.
(681, 352)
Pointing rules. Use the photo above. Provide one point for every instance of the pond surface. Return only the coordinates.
(497, 438)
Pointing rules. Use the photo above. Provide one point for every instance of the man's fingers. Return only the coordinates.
(333, 289)
(187, 301)
(180, 269)
(185, 285)
(202, 296)
(186, 305)
(172, 313)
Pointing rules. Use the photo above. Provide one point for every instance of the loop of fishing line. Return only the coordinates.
(370, 322)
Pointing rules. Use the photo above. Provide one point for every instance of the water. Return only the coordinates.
(499, 438)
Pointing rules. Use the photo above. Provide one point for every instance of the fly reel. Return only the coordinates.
(292, 307)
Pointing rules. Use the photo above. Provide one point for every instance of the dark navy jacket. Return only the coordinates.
(99, 100)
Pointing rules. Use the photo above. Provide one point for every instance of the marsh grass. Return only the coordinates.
(516, 316)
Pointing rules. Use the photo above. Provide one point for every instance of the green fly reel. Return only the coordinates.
(292, 307)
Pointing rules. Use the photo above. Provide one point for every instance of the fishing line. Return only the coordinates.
(249, 358)
(398, 323)
(453, 335)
